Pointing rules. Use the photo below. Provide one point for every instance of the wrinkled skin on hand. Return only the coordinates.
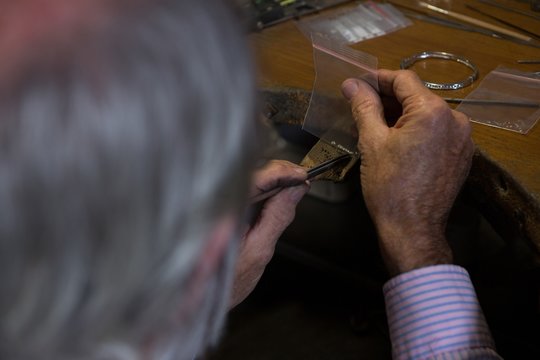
(259, 240)
(410, 172)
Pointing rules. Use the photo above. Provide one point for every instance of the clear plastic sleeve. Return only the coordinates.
(353, 24)
(514, 98)
(329, 113)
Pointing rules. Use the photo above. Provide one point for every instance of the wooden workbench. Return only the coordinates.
(505, 178)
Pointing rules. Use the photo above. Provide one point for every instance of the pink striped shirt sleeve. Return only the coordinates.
(433, 313)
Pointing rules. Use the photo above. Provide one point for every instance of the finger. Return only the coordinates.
(464, 126)
(277, 173)
(462, 119)
(277, 213)
(401, 84)
(367, 110)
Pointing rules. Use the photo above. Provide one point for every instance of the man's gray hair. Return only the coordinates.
(119, 152)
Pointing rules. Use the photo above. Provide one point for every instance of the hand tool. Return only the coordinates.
(475, 21)
(312, 173)
(492, 102)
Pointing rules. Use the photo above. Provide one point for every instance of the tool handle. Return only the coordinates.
(475, 21)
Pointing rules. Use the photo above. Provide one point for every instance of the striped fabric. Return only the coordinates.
(433, 313)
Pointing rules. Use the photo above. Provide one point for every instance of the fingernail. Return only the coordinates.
(349, 88)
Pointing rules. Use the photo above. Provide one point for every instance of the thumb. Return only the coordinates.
(367, 110)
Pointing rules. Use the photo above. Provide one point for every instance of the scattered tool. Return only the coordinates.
(503, 21)
(475, 21)
(504, 7)
(465, 27)
(492, 102)
(528, 61)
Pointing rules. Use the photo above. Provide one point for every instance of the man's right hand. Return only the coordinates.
(411, 172)
(259, 240)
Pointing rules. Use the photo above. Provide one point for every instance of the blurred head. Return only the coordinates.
(126, 142)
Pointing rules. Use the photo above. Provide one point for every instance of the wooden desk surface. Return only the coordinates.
(284, 58)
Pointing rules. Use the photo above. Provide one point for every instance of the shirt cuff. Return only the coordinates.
(434, 310)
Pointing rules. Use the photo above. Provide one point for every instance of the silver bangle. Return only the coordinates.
(408, 62)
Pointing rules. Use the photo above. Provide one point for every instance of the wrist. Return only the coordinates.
(397, 265)
(404, 251)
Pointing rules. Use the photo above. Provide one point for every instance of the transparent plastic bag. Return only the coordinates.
(329, 114)
(514, 100)
(353, 24)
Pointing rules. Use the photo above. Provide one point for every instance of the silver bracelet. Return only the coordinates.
(408, 62)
